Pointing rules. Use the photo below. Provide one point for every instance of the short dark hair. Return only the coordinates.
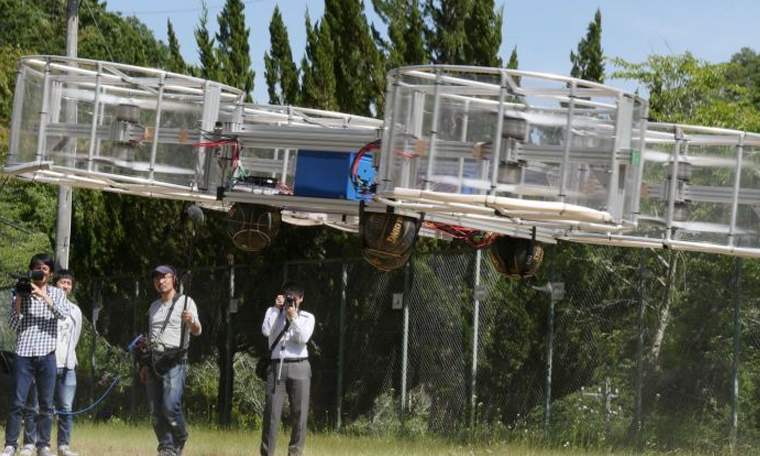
(62, 274)
(291, 287)
(44, 258)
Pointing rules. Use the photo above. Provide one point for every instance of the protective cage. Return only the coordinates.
(494, 150)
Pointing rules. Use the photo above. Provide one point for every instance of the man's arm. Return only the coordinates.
(56, 301)
(269, 318)
(14, 319)
(302, 328)
(190, 317)
(76, 314)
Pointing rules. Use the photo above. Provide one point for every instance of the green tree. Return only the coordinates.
(684, 89)
(210, 68)
(177, 63)
(234, 50)
(514, 63)
(588, 63)
(483, 29)
(318, 86)
(358, 64)
(446, 34)
(405, 44)
(280, 71)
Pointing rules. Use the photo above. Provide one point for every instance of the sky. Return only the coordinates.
(544, 31)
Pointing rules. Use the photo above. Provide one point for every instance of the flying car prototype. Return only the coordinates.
(498, 158)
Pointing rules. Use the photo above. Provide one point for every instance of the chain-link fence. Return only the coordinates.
(604, 346)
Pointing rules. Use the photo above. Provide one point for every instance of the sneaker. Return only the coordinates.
(64, 450)
(8, 451)
(44, 451)
(27, 450)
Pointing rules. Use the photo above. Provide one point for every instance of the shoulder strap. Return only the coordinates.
(279, 336)
(169, 315)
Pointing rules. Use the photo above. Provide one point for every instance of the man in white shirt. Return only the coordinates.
(288, 329)
(172, 316)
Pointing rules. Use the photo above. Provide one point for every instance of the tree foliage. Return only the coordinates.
(318, 84)
(234, 52)
(281, 73)
(588, 62)
(357, 63)
(405, 44)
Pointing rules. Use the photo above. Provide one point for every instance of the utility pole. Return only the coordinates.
(608, 396)
(63, 220)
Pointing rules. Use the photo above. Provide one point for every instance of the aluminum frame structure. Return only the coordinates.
(494, 150)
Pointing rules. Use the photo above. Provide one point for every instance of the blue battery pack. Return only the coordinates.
(321, 174)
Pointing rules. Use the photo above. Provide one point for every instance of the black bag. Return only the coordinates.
(263, 363)
(261, 367)
(163, 361)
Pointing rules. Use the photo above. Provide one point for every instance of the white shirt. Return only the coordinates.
(170, 338)
(69, 331)
(293, 342)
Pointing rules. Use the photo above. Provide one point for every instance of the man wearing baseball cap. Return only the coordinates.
(172, 317)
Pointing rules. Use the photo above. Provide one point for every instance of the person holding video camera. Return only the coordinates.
(289, 329)
(69, 331)
(172, 316)
(36, 309)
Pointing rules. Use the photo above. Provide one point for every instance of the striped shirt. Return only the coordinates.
(37, 325)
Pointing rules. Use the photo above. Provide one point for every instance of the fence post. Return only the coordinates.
(735, 392)
(405, 340)
(341, 345)
(225, 415)
(135, 367)
(636, 425)
(477, 295)
(96, 305)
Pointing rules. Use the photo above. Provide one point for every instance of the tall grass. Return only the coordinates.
(120, 439)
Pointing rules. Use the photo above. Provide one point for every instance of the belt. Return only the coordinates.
(290, 360)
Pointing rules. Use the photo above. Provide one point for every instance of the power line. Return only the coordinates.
(108, 48)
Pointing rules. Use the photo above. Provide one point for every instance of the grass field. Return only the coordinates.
(138, 440)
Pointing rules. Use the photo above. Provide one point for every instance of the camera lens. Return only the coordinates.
(37, 275)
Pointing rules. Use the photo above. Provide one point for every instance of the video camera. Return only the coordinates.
(23, 285)
(140, 348)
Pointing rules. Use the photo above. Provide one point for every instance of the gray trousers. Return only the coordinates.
(295, 381)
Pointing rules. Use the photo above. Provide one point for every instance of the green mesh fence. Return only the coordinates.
(632, 347)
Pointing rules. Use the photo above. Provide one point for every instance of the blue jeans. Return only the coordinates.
(40, 370)
(65, 388)
(165, 401)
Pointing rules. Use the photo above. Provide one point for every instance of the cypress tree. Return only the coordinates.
(446, 35)
(588, 63)
(513, 63)
(318, 86)
(359, 71)
(208, 56)
(176, 63)
(280, 71)
(234, 50)
(405, 44)
(483, 30)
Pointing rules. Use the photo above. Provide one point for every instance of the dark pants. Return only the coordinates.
(295, 381)
(165, 396)
(29, 370)
(65, 389)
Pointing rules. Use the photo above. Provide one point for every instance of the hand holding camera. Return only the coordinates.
(25, 283)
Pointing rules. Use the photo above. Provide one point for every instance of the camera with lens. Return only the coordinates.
(290, 301)
(23, 285)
